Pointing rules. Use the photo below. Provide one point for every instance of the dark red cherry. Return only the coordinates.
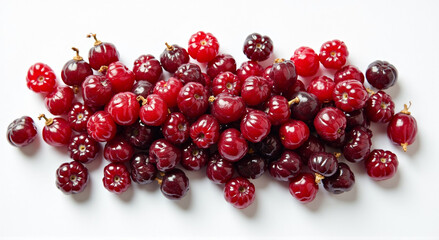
(71, 177)
(239, 192)
(142, 170)
(348, 72)
(102, 53)
(248, 69)
(22, 131)
(251, 166)
(190, 72)
(165, 155)
(205, 131)
(356, 118)
(83, 148)
(358, 144)
(101, 127)
(330, 123)
(323, 163)
(381, 165)
(312, 145)
(283, 74)
(381, 74)
(174, 184)
(168, 90)
(147, 68)
(194, 158)
(192, 100)
(227, 108)
(173, 57)
(322, 87)
(226, 82)
(296, 87)
(278, 110)
(304, 188)
(379, 107)
(232, 145)
(116, 178)
(154, 110)
(121, 78)
(96, 91)
(123, 108)
(350, 95)
(270, 147)
(305, 106)
(60, 101)
(221, 63)
(255, 90)
(56, 132)
(219, 170)
(342, 181)
(176, 128)
(140, 135)
(78, 117)
(75, 70)
(142, 88)
(288, 166)
(118, 149)
(255, 126)
(293, 134)
(402, 129)
(258, 47)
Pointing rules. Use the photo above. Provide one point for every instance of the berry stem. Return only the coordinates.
(49, 121)
(211, 99)
(169, 47)
(103, 69)
(97, 42)
(144, 101)
(404, 146)
(77, 57)
(337, 154)
(293, 101)
(319, 178)
(159, 178)
(370, 91)
(406, 109)
(279, 60)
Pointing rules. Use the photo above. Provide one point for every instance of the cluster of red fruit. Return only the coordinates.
(238, 123)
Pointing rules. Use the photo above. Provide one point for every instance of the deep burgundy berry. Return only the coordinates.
(337, 143)
(192, 100)
(348, 72)
(207, 83)
(306, 61)
(140, 135)
(123, 108)
(288, 166)
(232, 145)
(255, 126)
(147, 68)
(304, 106)
(330, 123)
(142, 170)
(41, 78)
(278, 110)
(176, 128)
(258, 47)
(219, 170)
(75, 70)
(380, 107)
(312, 145)
(165, 155)
(322, 87)
(118, 149)
(102, 53)
(83, 148)
(22, 131)
(78, 117)
(270, 147)
(227, 108)
(248, 69)
(293, 89)
(358, 143)
(381, 74)
(304, 188)
(356, 118)
(323, 163)
(226, 82)
(101, 127)
(60, 100)
(350, 95)
(239, 192)
(381, 165)
(154, 110)
(173, 57)
(293, 134)
(71, 177)
(203, 47)
(283, 74)
(221, 63)
(168, 90)
(174, 184)
(251, 166)
(194, 158)
(205, 131)
(142, 88)
(402, 128)
(56, 132)
(255, 90)
(116, 178)
(121, 78)
(333, 54)
(342, 181)
(96, 91)
(190, 72)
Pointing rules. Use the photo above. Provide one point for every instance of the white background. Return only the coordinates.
(404, 33)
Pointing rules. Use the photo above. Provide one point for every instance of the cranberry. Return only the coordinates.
(165, 155)
(255, 126)
(146, 67)
(142, 88)
(154, 110)
(348, 72)
(402, 128)
(306, 61)
(221, 63)
(78, 117)
(258, 47)
(322, 87)
(102, 54)
(142, 170)
(283, 74)
(330, 123)
(174, 184)
(22, 131)
(56, 132)
(226, 82)
(251, 166)
(124, 108)
(71, 177)
(116, 178)
(381, 74)
(381, 165)
(139, 134)
(350, 95)
(286, 167)
(75, 71)
(298, 86)
(219, 170)
(358, 143)
(83, 148)
(232, 145)
(255, 90)
(193, 100)
(176, 128)
(101, 127)
(380, 107)
(239, 192)
(118, 149)
(356, 118)
(173, 57)
(278, 110)
(41, 78)
(190, 72)
(304, 188)
(60, 100)
(121, 78)
(333, 54)
(270, 147)
(205, 131)
(168, 90)
(96, 91)
(194, 158)
(203, 47)
(323, 163)
(342, 181)
(293, 134)
(304, 106)
(248, 69)
(312, 145)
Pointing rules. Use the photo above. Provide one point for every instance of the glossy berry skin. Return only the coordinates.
(221, 63)
(121, 78)
(83, 148)
(333, 54)
(293, 134)
(381, 164)
(304, 188)
(350, 95)
(312, 145)
(227, 108)
(142, 170)
(123, 108)
(96, 91)
(286, 167)
(205, 131)
(22, 131)
(255, 90)
(270, 147)
(154, 110)
(57, 133)
(322, 87)
(192, 100)
(296, 87)
(251, 166)
(101, 127)
(330, 123)
(142, 88)
(75, 71)
(147, 68)
(232, 146)
(41, 78)
(248, 69)
(118, 149)
(323, 163)
(348, 72)
(116, 178)
(165, 155)
(358, 144)
(190, 72)
(258, 47)
(203, 47)
(175, 184)
(71, 177)
(102, 54)
(255, 126)
(381, 74)
(60, 100)
(168, 90)
(176, 128)
(139, 134)
(226, 82)
(356, 118)
(194, 158)
(219, 170)
(173, 57)
(306, 61)
(239, 192)
(402, 129)
(78, 117)
(307, 107)
(283, 74)
(278, 110)
(380, 107)
(342, 181)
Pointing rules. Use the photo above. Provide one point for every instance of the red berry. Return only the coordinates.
(226, 82)
(116, 178)
(239, 192)
(22, 131)
(194, 158)
(358, 143)
(323, 163)
(192, 100)
(83, 148)
(278, 110)
(304, 188)
(121, 78)
(333, 54)
(205, 131)
(227, 108)
(142, 170)
(286, 167)
(258, 47)
(232, 145)
(312, 145)
(350, 95)
(248, 69)
(255, 90)
(255, 126)
(251, 166)
(219, 170)
(306, 61)
(293, 89)
(139, 134)
(173, 57)
(124, 108)
(380, 107)
(41, 78)
(102, 53)
(356, 118)
(78, 117)
(293, 134)
(176, 128)
(342, 181)
(101, 127)
(165, 155)
(304, 106)
(56, 132)
(96, 91)
(118, 149)
(203, 47)
(71, 177)
(221, 63)
(381, 74)
(147, 68)
(381, 165)
(322, 87)
(174, 184)
(168, 90)
(402, 128)
(283, 74)
(270, 147)
(142, 88)
(330, 123)
(154, 110)
(348, 72)
(75, 71)
(190, 72)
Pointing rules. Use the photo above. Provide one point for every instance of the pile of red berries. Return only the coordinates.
(238, 123)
